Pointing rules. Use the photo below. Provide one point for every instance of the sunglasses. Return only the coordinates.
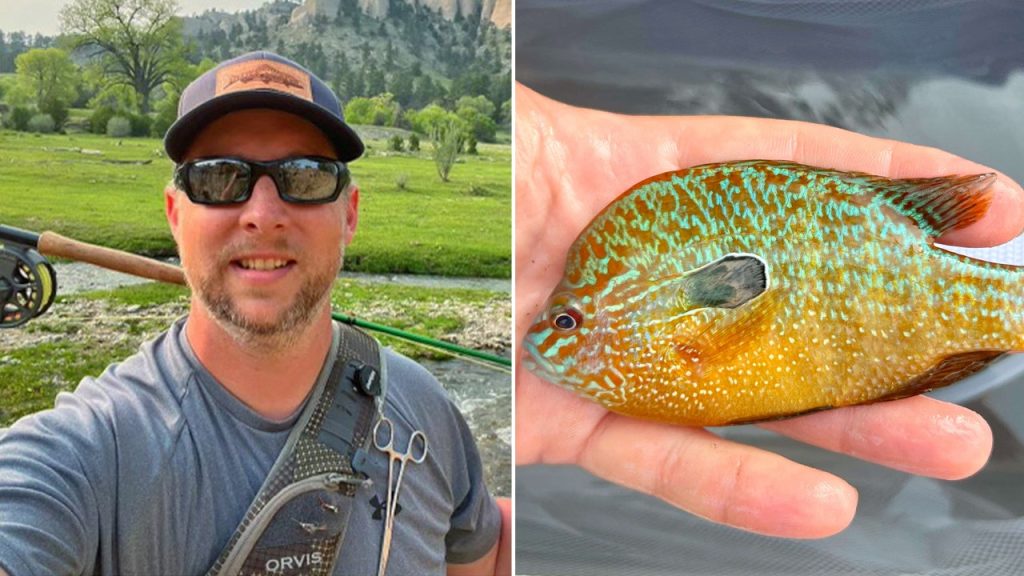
(220, 181)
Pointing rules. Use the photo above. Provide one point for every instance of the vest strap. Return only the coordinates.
(296, 524)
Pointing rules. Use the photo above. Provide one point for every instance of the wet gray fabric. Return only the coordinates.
(148, 469)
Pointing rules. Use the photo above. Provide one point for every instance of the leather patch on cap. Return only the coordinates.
(264, 75)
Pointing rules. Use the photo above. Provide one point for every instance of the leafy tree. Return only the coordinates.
(479, 103)
(359, 111)
(140, 40)
(429, 119)
(6, 84)
(381, 110)
(48, 79)
(47, 75)
(478, 125)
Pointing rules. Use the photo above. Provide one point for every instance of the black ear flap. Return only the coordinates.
(730, 281)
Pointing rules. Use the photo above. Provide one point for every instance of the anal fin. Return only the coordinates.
(949, 370)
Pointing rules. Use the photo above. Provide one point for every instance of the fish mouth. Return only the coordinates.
(537, 364)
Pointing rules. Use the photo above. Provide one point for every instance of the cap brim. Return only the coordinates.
(184, 130)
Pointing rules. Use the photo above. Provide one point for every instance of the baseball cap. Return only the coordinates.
(260, 80)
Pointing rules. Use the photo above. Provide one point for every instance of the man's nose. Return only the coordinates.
(265, 210)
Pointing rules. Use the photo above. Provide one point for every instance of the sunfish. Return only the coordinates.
(748, 291)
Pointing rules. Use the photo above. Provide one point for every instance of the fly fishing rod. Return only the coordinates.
(28, 283)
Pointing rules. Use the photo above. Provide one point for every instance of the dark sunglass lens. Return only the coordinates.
(218, 181)
(310, 180)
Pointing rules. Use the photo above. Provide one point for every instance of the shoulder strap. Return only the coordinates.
(296, 524)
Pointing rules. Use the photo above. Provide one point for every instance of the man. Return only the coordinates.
(161, 465)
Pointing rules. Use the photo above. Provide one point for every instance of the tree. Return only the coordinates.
(49, 79)
(429, 119)
(425, 91)
(506, 113)
(376, 83)
(448, 139)
(479, 126)
(140, 40)
(381, 110)
(479, 103)
(359, 110)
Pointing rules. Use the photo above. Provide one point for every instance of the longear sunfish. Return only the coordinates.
(748, 291)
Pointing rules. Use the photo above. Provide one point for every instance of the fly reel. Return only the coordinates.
(28, 284)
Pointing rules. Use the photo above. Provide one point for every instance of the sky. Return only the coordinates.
(41, 15)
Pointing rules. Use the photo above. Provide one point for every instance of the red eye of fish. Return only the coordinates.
(568, 319)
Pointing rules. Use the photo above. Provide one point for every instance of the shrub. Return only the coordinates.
(448, 139)
(58, 112)
(161, 124)
(119, 127)
(166, 114)
(396, 144)
(41, 123)
(471, 144)
(414, 142)
(99, 119)
(19, 117)
(141, 124)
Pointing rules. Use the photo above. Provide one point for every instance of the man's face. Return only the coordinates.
(263, 267)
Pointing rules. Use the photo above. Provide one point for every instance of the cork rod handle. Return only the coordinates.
(53, 244)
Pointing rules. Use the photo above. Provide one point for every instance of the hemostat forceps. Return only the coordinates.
(416, 452)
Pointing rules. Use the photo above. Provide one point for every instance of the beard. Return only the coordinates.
(313, 295)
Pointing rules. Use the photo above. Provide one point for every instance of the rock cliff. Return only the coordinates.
(498, 12)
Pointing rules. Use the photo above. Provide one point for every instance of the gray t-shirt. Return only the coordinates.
(149, 468)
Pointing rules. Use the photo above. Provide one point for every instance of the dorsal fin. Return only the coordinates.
(938, 205)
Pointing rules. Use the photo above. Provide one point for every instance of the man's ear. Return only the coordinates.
(171, 207)
(351, 214)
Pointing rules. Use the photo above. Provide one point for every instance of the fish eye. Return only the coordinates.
(567, 319)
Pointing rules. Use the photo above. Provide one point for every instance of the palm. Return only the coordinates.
(571, 163)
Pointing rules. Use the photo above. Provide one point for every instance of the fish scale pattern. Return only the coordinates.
(860, 306)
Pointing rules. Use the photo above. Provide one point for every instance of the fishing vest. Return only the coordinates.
(296, 524)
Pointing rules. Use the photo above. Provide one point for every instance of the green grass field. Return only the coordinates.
(109, 192)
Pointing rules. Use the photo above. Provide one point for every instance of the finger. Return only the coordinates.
(720, 480)
(919, 435)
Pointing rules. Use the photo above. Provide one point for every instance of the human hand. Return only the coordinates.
(571, 163)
